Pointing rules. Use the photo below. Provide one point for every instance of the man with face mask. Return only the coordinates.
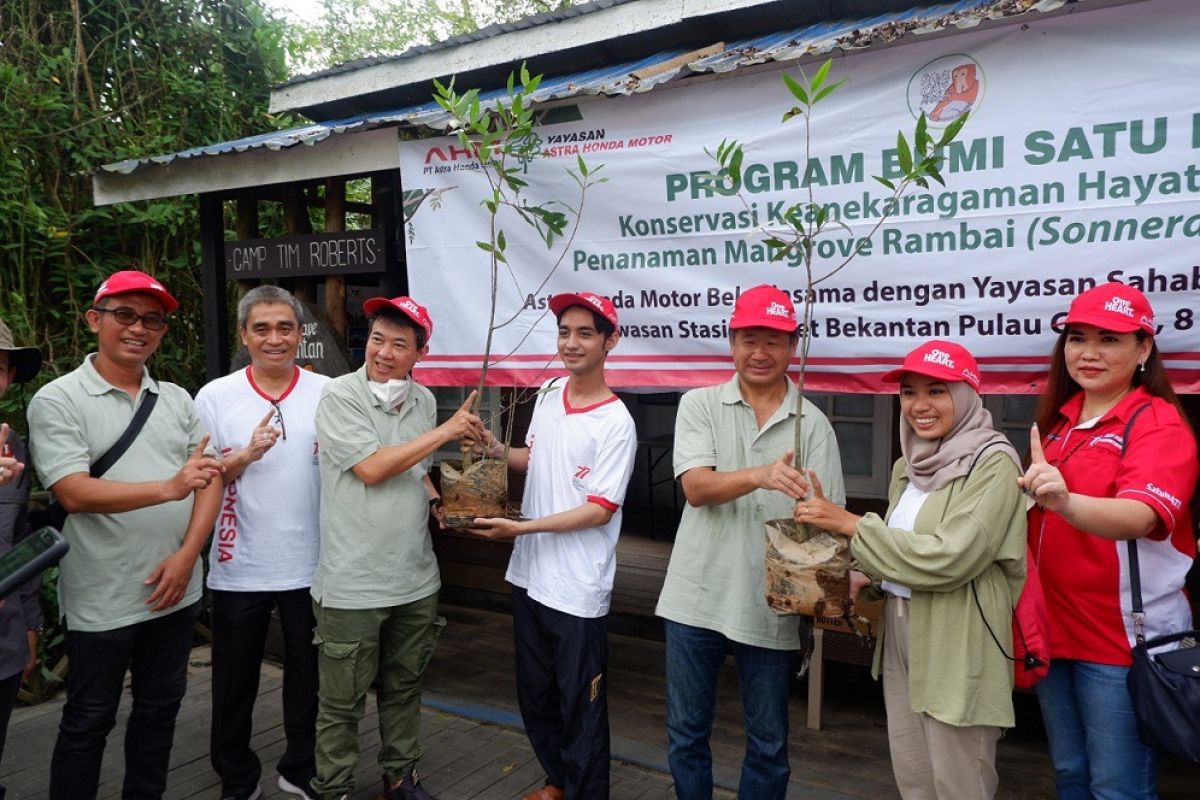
(375, 589)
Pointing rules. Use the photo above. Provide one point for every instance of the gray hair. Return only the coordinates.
(267, 294)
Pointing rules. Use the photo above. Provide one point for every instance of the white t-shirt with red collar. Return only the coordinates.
(576, 456)
(1086, 577)
(267, 534)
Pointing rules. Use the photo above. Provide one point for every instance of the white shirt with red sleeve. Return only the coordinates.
(1086, 577)
(576, 456)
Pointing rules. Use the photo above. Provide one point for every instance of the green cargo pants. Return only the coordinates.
(354, 647)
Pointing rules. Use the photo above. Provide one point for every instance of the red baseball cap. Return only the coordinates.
(1113, 307)
(593, 302)
(947, 361)
(764, 306)
(131, 280)
(406, 306)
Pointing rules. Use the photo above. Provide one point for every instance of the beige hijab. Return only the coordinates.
(932, 463)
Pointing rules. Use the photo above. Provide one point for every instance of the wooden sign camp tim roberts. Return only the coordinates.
(345, 253)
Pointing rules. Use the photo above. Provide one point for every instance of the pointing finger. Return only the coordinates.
(818, 490)
(200, 448)
(1036, 455)
(786, 458)
(470, 401)
(4, 429)
(267, 419)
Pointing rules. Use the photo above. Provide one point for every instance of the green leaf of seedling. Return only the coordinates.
(532, 84)
(735, 166)
(903, 153)
(796, 89)
(500, 242)
(828, 90)
(511, 80)
(794, 111)
(921, 137)
(937, 176)
(951, 131)
(524, 73)
(775, 241)
(485, 247)
(822, 73)
(885, 182)
(583, 170)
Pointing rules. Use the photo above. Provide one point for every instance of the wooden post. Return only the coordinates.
(335, 285)
(389, 215)
(295, 215)
(216, 300)
(247, 228)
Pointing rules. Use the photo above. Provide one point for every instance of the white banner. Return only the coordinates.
(1079, 164)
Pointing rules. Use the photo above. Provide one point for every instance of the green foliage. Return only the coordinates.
(348, 30)
(500, 133)
(808, 220)
(122, 79)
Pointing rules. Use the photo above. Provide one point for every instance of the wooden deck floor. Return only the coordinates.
(465, 759)
(474, 747)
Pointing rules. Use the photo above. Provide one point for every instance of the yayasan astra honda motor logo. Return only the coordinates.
(946, 88)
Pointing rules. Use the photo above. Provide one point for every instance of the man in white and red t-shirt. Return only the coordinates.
(579, 455)
(265, 541)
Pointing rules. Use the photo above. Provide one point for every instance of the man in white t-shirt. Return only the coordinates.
(265, 541)
(578, 457)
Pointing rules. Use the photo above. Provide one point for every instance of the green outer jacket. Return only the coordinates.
(971, 528)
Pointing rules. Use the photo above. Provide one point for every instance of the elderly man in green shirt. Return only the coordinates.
(733, 455)
(376, 584)
(130, 586)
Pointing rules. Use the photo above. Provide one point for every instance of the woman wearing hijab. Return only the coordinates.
(1115, 461)
(950, 554)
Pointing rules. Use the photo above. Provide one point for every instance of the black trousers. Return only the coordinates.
(239, 628)
(562, 665)
(155, 653)
(8, 698)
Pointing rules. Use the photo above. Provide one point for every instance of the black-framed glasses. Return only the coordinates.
(128, 317)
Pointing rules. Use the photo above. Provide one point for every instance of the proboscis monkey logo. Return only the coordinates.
(946, 88)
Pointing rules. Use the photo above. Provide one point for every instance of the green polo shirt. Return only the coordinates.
(717, 575)
(72, 422)
(375, 545)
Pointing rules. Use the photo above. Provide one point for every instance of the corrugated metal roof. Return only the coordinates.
(623, 78)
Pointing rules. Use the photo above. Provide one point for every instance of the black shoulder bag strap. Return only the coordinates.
(56, 515)
(114, 453)
(1135, 572)
(1030, 661)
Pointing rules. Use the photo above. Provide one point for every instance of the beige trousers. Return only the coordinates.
(931, 760)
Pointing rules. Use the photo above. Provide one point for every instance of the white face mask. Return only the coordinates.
(392, 393)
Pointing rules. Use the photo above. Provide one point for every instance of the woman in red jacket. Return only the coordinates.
(1113, 459)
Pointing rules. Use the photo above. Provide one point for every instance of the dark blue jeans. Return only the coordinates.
(155, 653)
(694, 658)
(1093, 734)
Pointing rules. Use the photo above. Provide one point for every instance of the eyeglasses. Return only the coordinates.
(128, 317)
(279, 419)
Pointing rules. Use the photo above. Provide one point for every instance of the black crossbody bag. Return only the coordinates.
(1165, 686)
(56, 515)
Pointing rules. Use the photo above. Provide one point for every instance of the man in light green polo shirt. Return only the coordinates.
(130, 585)
(375, 588)
(733, 455)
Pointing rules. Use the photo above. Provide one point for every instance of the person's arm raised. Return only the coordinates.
(388, 462)
(1107, 517)
(80, 493)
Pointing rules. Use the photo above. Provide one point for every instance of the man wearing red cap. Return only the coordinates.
(130, 585)
(376, 584)
(733, 455)
(578, 456)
